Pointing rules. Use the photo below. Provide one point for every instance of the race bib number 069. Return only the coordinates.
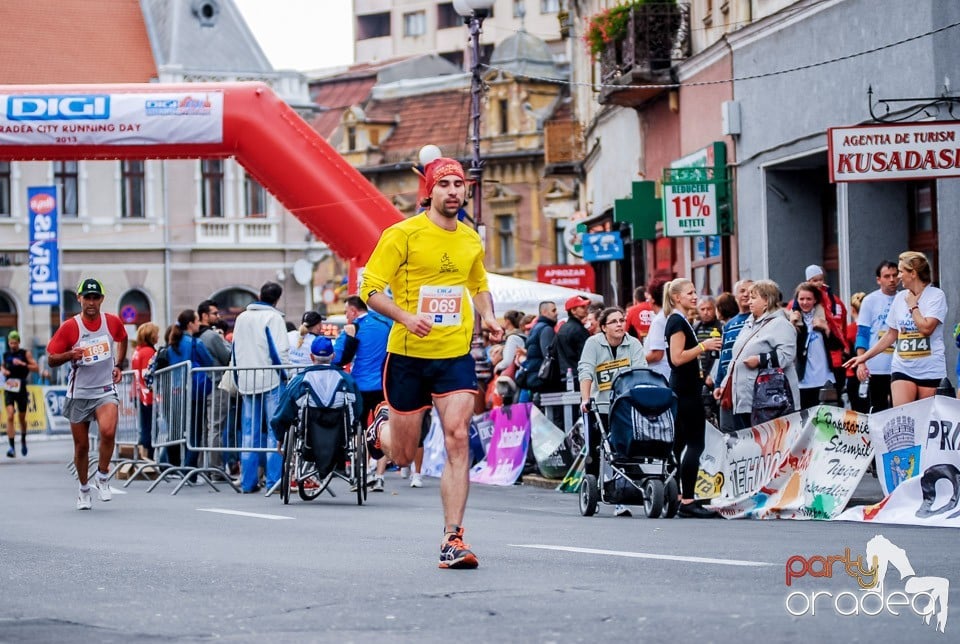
(443, 305)
(912, 345)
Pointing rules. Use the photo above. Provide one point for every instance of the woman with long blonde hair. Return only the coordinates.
(683, 351)
(915, 331)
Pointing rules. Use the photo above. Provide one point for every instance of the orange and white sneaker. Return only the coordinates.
(454, 553)
(380, 416)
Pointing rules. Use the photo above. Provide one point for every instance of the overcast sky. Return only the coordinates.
(301, 34)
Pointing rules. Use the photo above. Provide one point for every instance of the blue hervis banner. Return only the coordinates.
(44, 254)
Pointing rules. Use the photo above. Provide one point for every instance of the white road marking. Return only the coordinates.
(646, 555)
(117, 491)
(272, 517)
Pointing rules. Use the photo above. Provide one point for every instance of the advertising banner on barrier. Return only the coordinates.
(111, 119)
(803, 466)
(918, 464)
(43, 246)
(508, 446)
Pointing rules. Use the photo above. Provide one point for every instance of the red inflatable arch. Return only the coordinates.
(333, 200)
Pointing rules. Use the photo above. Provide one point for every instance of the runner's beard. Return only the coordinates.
(446, 211)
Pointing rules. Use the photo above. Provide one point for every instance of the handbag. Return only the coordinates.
(228, 383)
(772, 397)
(726, 393)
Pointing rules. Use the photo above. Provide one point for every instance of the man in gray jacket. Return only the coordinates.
(218, 402)
(260, 340)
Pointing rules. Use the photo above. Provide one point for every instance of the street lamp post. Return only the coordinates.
(474, 12)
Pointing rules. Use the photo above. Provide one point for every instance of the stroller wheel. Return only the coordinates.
(672, 494)
(589, 495)
(653, 498)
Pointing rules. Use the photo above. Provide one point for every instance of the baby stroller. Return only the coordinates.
(637, 464)
(321, 407)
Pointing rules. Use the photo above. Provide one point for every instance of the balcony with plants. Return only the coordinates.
(638, 43)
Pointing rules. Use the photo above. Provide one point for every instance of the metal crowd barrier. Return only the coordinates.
(206, 430)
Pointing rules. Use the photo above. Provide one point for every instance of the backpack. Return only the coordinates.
(549, 372)
(159, 360)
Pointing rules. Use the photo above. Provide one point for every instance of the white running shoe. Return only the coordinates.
(103, 488)
(404, 472)
(416, 480)
(84, 502)
(377, 484)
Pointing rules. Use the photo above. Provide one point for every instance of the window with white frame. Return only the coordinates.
(132, 181)
(5, 183)
(211, 187)
(66, 176)
(415, 24)
(254, 197)
(505, 241)
(549, 6)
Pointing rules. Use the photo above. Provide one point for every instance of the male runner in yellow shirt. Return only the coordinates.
(433, 264)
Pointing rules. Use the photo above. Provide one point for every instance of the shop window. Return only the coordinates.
(447, 16)
(66, 176)
(132, 181)
(559, 230)
(232, 302)
(375, 25)
(5, 187)
(707, 264)
(414, 24)
(505, 242)
(134, 308)
(254, 197)
(922, 202)
(8, 317)
(831, 236)
(211, 187)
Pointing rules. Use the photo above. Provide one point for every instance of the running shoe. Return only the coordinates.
(84, 502)
(381, 416)
(377, 484)
(416, 480)
(622, 511)
(11, 453)
(454, 553)
(23, 449)
(103, 488)
(404, 472)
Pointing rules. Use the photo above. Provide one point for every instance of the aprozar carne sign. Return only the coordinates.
(894, 152)
(111, 119)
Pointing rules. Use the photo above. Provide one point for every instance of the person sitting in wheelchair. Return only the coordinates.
(332, 404)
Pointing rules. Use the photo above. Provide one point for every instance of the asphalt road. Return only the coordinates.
(203, 566)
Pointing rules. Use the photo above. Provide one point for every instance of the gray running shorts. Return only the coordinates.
(83, 410)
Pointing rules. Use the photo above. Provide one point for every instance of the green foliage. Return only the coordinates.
(610, 25)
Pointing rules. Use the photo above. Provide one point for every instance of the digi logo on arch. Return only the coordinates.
(62, 107)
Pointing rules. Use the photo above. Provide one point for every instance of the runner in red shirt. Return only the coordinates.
(639, 315)
(85, 341)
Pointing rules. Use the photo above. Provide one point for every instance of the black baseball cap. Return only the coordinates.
(90, 286)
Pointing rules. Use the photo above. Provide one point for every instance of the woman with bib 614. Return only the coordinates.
(915, 331)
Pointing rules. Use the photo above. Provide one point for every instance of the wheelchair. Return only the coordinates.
(323, 445)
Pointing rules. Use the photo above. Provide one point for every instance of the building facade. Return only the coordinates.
(161, 235)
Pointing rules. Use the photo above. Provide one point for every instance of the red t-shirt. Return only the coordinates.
(69, 333)
(638, 319)
(141, 358)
